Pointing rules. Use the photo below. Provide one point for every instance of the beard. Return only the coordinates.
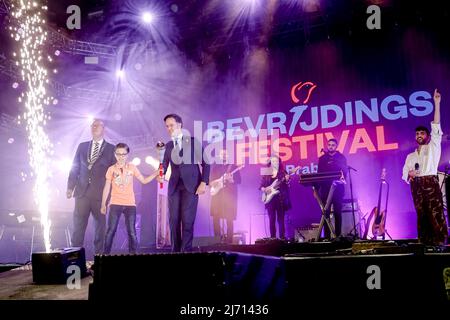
(422, 141)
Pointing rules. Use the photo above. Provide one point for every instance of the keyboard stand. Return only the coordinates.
(324, 209)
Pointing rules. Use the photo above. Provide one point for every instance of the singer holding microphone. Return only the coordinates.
(420, 171)
(185, 156)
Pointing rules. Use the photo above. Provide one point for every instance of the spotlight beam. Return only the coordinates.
(148, 17)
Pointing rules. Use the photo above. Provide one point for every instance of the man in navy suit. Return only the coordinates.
(86, 182)
(186, 183)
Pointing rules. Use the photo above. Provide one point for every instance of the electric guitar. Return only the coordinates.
(219, 183)
(378, 216)
(273, 189)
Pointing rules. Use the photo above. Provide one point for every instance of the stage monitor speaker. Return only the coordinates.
(168, 281)
(167, 278)
(165, 282)
(53, 267)
(376, 278)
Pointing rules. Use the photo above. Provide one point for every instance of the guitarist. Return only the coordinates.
(332, 160)
(281, 202)
(224, 203)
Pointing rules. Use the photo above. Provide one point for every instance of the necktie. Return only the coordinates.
(95, 152)
(178, 143)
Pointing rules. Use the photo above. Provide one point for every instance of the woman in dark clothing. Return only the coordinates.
(281, 202)
(224, 203)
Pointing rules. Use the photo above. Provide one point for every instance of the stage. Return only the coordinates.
(221, 129)
(17, 284)
(273, 273)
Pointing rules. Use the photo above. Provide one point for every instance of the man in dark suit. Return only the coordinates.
(186, 183)
(86, 182)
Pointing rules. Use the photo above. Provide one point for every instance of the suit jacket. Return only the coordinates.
(87, 182)
(186, 166)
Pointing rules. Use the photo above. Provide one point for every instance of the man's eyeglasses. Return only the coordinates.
(121, 154)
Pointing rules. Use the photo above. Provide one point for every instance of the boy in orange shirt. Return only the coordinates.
(120, 177)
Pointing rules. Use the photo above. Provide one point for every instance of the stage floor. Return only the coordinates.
(408, 271)
(17, 284)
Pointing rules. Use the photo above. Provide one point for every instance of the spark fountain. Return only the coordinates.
(27, 28)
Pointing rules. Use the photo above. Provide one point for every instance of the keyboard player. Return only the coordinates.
(332, 161)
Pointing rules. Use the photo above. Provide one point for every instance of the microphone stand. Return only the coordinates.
(353, 232)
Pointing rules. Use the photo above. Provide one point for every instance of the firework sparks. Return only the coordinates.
(27, 29)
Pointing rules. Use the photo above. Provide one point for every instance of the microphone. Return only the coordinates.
(416, 167)
(161, 147)
(323, 151)
(161, 174)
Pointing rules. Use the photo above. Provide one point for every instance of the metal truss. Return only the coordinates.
(70, 93)
(75, 47)
(10, 69)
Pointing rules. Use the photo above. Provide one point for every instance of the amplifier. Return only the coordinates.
(53, 267)
(306, 234)
(347, 205)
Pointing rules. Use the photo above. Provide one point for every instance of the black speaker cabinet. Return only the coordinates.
(54, 267)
